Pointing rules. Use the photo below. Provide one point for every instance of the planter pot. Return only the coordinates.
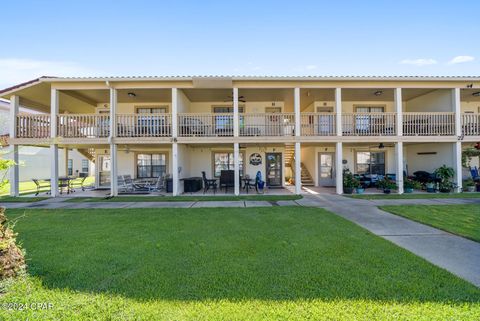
(408, 190)
(360, 190)
(470, 189)
(348, 190)
(430, 188)
(387, 191)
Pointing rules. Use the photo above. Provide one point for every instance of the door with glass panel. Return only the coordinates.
(273, 121)
(325, 123)
(273, 169)
(103, 171)
(326, 169)
(365, 122)
(152, 121)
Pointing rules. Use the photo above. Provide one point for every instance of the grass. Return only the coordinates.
(10, 199)
(224, 264)
(29, 187)
(193, 198)
(463, 220)
(414, 196)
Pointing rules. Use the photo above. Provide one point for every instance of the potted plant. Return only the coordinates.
(445, 175)
(349, 182)
(469, 185)
(387, 185)
(409, 185)
(430, 186)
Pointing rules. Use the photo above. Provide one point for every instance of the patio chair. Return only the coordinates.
(209, 183)
(121, 185)
(41, 184)
(227, 179)
(158, 185)
(131, 186)
(474, 173)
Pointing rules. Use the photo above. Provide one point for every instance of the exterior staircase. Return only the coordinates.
(89, 153)
(307, 179)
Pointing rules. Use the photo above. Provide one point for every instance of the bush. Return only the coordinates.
(386, 184)
(410, 183)
(12, 260)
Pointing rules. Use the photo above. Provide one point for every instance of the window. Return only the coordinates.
(151, 165)
(151, 110)
(371, 163)
(70, 167)
(84, 165)
(224, 161)
(225, 122)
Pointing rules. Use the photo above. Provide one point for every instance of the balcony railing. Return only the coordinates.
(429, 124)
(368, 124)
(267, 124)
(144, 125)
(33, 126)
(205, 125)
(84, 125)
(318, 124)
(471, 124)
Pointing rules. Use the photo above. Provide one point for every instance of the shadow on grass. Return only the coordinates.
(283, 253)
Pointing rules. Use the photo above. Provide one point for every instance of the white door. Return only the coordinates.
(325, 123)
(326, 169)
(103, 171)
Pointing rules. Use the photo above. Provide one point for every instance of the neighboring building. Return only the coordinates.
(307, 128)
(35, 161)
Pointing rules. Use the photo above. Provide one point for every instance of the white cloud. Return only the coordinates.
(461, 59)
(14, 70)
(311, 67)
(419, 62)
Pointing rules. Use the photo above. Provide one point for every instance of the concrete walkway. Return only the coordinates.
(453, 253)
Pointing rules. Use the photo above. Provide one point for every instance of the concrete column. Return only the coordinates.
(298, 169)
(457, 156)
(113, 170)
(397, 93)
(113, 113)
(174, 112)
(399, 166)
(14, 170)
(236, 167)
(54, 106)
(338, 110)
(339, 167)
(175, 175)
(236, 117)
(296, 107)
(458, 111)
(65, 160)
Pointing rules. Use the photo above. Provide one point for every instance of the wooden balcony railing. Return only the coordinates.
(471, 124)
(83, 125)
(205, 125)
(267, 124)
(33, 126)
(368, 124)
(429, 124)
(318, 124)
(144, 125)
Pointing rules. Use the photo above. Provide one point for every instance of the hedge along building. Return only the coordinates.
(306, 128)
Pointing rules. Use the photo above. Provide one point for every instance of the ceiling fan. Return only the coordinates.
(240, 98)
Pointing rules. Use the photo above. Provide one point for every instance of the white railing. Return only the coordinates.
(144, 125)
(318, 124)
(429, 124)
(368, 124)
(267, 124)
(83, 125)
(471, 124)
(205, 125)
(33, 126)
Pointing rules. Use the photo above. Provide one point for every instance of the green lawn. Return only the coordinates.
(463, 220)
(29, 187)
(414, 196)
(9, 199)
(285, 263)
(186, 198)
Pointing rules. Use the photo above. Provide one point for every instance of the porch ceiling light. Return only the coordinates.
(378, 93)
(476, 94)
(132, 95)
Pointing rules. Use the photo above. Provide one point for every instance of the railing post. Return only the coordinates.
(14, 170)
(236, 118)
(399, 110)
(338, 110)
(296, 105)
(457, 110)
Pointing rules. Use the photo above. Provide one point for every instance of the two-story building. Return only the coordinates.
(304, 128)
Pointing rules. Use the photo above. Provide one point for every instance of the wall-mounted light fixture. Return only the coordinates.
(476, 94)
(132, 95)
(378, 93)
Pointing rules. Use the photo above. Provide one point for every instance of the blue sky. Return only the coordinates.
(103, 38)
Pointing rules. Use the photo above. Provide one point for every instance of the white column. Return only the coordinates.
(296, 108)
(14, 170)
(298, 169)
(397, 93)
(457, 110)
(236, 122)
(65, 160)
(457, 156)
(113, 113)
(175, 176)
(339, 167)
(399, 166)
(338, 110)
(174, 112)
(236, 167)
(113, 170)
(54, 103)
